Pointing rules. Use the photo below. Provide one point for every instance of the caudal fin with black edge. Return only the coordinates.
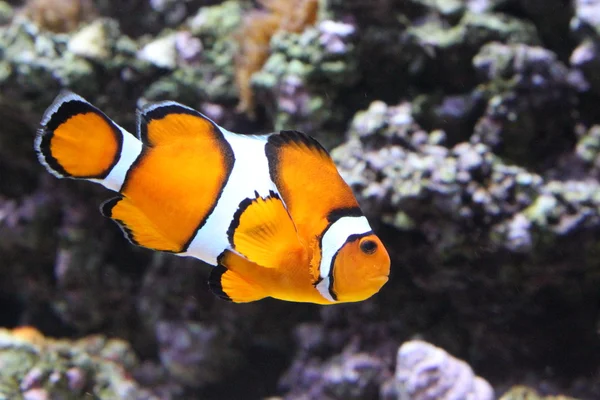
(77, 140)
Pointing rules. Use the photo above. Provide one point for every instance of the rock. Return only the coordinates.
(525, 393)
(524, 84)
(430, 52)
(465, 129)
(6, 13)
(587, 150)
(587, 17)
(44, 368)
(412, 167)
(95, 41)
(426, 372)
(195, 354)
(204, 53)
(348, 376)
(301, 68)
(59, 16)
(161, 52)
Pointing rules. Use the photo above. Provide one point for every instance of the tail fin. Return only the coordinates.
(76, 140)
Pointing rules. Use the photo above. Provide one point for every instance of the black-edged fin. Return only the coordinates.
(136, 226)
(214, 282)
(230, 286)
(308, 180)
(77, 140)
(168, 121)
(263, 232)
(299, 139)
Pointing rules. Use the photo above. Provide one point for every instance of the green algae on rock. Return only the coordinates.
(477, 159)
(203, 58)
(395, 165)
(482, 224)
(38, 63)
(303, 80)
(525, 393)
(428, 53)
(523, 85)
(7, 13)
(95, 41)
(31, 364)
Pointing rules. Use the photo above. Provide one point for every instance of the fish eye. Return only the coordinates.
(368, 246)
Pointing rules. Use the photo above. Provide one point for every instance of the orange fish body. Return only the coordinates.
(270, 213)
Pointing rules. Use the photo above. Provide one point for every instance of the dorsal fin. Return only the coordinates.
(168, 121)
(263, 232)
(308, 181)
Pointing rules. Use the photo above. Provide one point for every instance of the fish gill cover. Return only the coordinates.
(469, 131)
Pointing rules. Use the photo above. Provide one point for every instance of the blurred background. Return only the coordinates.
(468, 129)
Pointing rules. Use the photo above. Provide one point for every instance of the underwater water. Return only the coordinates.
(468, 130)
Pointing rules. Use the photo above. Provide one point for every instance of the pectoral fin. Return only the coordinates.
(263, 232)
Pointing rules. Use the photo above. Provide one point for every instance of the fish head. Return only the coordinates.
(360, 269)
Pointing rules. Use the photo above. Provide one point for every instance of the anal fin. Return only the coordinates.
(230, 286)
(136, 225)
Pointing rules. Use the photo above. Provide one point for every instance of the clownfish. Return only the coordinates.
(269, 212)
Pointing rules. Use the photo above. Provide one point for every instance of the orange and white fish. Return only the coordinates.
(270, 213)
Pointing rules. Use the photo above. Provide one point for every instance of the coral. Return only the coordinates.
(347, 376)
(173, 50)
(481, 6)
(200, 55)
(474, 223)
(174, 11)
(395, 165)
(305, 76)
(198, 344)
(195, 353)
(95, 41)
(90, 290)
(525, 393)
(463, 183)
(59, 15)
(350, 375)
(426, 372)
(36, 367)
(524, 85)
(472, 144)
(348, 353)
(586, 18)
(161, 52)
(6, 13)
(587, 150)
(38, 63)
(254, 37)
(428, 52)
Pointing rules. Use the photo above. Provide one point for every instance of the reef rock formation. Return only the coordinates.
(426, 372)
(35, 367)
(469, 131)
